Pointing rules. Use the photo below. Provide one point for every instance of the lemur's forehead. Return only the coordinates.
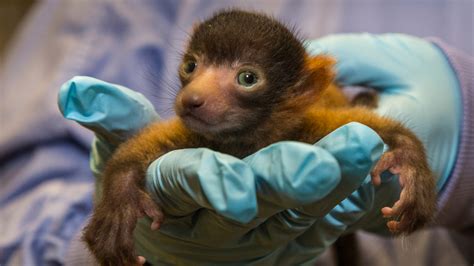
(244, 36)
(253, 38)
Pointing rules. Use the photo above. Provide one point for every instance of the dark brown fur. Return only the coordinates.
(297, 102)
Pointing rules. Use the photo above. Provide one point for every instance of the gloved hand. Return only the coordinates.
(415, 82)
(416, 85)
(219, 208)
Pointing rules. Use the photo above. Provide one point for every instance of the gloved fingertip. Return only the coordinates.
(313, 175)
(72, 100)
(186, 180)
(363, 134)
(63, 95)
(107, 109)
(292, 173)
(355, 144)
(229, 184)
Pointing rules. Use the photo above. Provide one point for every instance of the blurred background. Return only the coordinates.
(450, 19)
(45, 196)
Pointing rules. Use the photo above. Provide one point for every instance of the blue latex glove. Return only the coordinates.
(416, 83)
(208, 196)
(88, 101)
(417, 86)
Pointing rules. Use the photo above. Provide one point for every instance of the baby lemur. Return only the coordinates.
(247, 81)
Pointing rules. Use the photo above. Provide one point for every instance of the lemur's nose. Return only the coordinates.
(192, 101)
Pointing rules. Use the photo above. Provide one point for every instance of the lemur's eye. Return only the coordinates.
(189, 66)
(247, 79)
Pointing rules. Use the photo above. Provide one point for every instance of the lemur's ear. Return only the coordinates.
(318, 74)
(320, 71)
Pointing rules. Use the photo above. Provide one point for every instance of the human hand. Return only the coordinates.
(212, 199)
(416, 84)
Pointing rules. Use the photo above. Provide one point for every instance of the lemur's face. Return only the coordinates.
(221, 98)
(237, 67)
